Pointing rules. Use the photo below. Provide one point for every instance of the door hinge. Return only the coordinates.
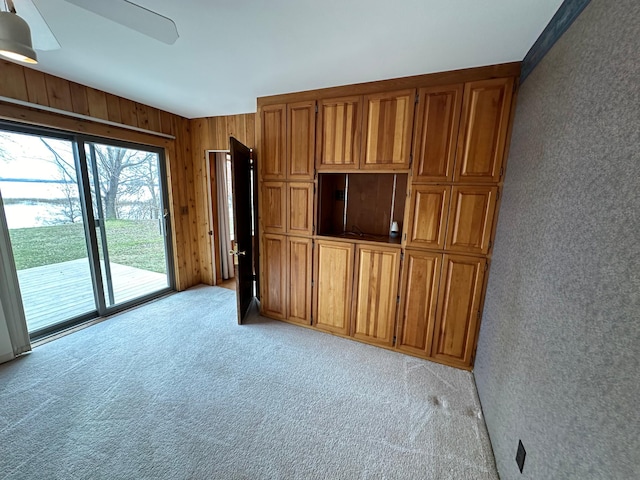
(316, 108)
(410, 160)
(404, 237)
(313, 231)
(417, 98)
(398, 300)
(490, 243)
(501, 171)
(515, 86)
(486, 266)
(479, 315)
(394, 340)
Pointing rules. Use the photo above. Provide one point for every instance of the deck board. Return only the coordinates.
(57, 292)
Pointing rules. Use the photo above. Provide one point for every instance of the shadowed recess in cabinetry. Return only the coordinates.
(361, 204)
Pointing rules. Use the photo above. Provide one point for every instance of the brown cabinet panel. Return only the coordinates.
(417, 318)
(459, 309)
(299, 262)
(333, 279)
(376, 289)
(339, 123)
(273, 155)
(483, 130)
(274, 276)
(388, 127)
(471, 218)
(436, 133)
(301, 140)
(300, 201)
(273, 207)
(428, 215)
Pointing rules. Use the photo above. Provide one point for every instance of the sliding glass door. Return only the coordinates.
(88, 224)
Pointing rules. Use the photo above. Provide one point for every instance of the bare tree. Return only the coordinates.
(71, 206)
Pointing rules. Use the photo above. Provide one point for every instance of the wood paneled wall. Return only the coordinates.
(78, 108)
(212, 133)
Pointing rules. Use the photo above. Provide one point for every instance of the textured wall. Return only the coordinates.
(558, 362)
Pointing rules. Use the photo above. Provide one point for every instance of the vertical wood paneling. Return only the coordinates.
(79, 99)
(128, 112)
(298, 264)
(274, 301)
(301, 140)
(12, 81)
(142, 114)
(113, 109)
(98, 107)
(36, 87)
(338, 133)
(59, 93)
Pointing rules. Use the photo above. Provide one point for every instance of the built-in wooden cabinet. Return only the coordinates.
(436, 133)
(428, 216)
(299, 263)
(375, 292)
(471, 218)
(300, 208)
(419, 298)
(460, 300)
(339, 167)
(333, 279)
(338, 133)
(273, 280)
(274, 207)
(301, 140)
(273, 153)
(388, 128)
(483, 130)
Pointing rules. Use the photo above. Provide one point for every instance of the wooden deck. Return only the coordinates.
(57, 292)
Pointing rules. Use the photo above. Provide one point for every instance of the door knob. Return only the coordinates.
(235, 252)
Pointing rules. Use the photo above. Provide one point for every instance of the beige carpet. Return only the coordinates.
(177, 390)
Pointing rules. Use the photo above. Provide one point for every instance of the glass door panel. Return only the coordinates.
(39, 186)
(126, 196)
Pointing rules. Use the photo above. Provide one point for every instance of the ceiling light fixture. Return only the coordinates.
(15, 36)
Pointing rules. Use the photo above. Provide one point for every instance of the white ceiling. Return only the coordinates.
(232, 51)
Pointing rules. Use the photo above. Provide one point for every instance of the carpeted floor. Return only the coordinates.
(177, 390)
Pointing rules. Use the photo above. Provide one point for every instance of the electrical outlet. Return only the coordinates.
(520, 456)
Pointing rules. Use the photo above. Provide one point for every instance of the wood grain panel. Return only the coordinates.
(471, 218)
(59, 93)
(79, 100)
(436, 135)
(113, 109)
(388, 128)
(301, 140)
(459, 309)
(142, 114)
(376, 290)
(128, 112)
(299, 208)
(274, 206)
(483, 130)
(299, 263)
(36, 87)
(97, 101)
(12, 81)
(274, 276)
(428, 216)
(419, 297)
(333, 280)
(338, 137)
(273, 142)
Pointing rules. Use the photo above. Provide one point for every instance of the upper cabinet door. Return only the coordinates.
(339, 123)
(301, 140)
(428, 216)
(471, 218)
(483, 130)
(388, 127)
(436, 133)
(273, 157)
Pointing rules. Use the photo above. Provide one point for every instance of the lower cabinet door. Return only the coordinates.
(459, 304)
(274, 276)
(333, 275)
(299, 256)
(376, 291)
(419, 297)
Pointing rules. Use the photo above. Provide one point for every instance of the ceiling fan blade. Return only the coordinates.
(133, 16)
(42, 36)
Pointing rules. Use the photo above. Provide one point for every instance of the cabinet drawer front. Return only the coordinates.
(300, 201)
(420, 282)
(333, 282)
(483, 130)
(376, 290)
(437, 133)
(471, 219)
(428, 216)
(273, 207)
(301, 140)
(273, 153)
(388, 127)
(459, 308)
(274, 276)
(339, 123)
(299, 256)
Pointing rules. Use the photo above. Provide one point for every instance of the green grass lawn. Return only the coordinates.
(136, 243)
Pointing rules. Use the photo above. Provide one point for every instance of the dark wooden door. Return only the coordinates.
(242, 225)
